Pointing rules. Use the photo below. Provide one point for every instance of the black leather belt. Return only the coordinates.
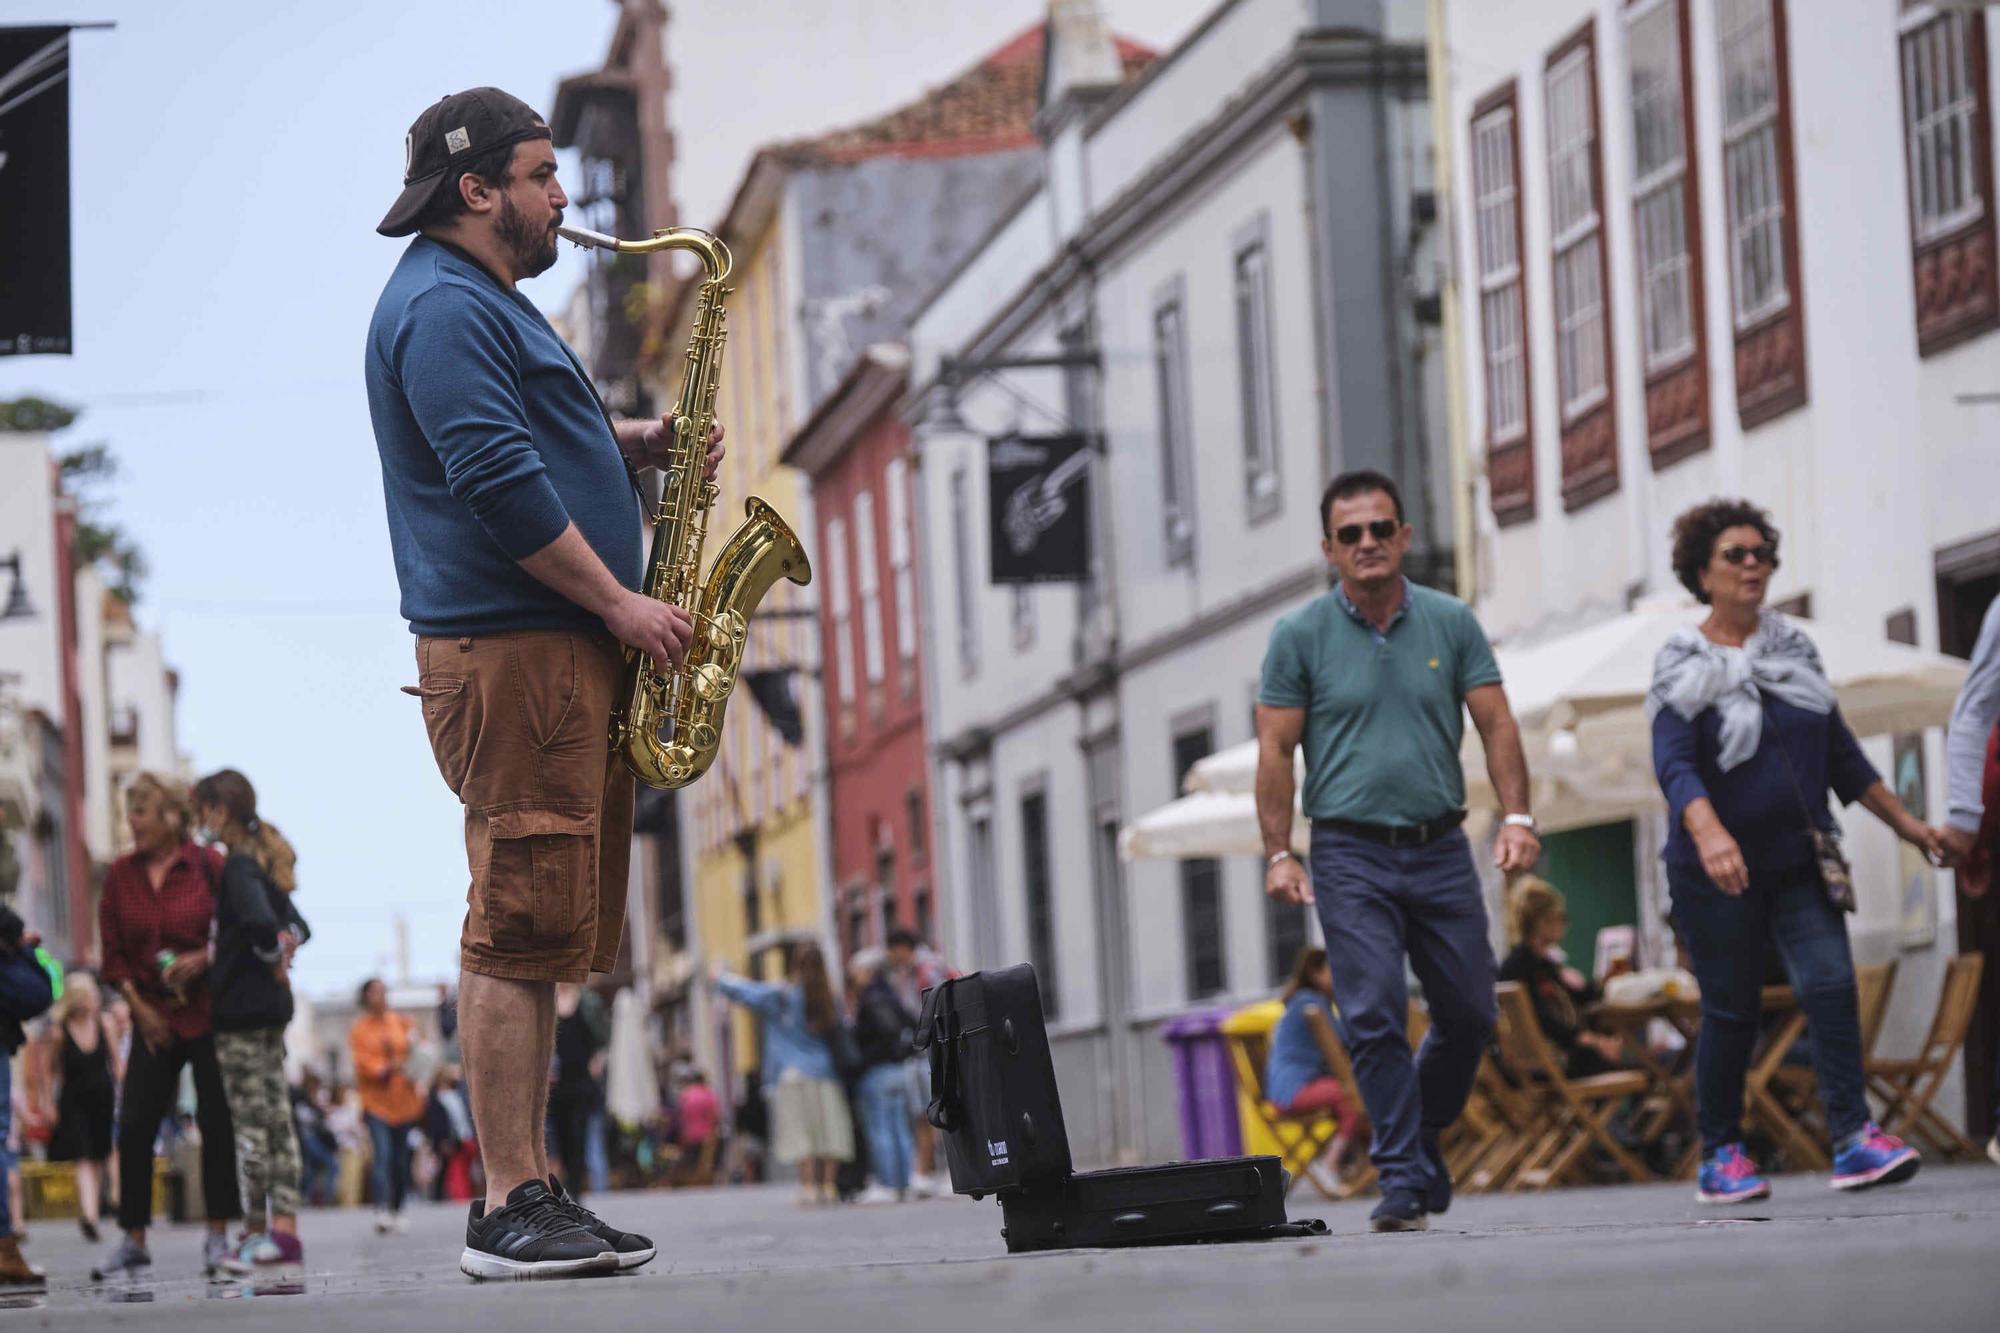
(1396, 835)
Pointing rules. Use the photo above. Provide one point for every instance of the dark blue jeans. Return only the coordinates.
(1377, 904)
(391, 1165)
(1727, 938)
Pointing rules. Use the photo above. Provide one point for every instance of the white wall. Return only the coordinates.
(30, 647)
(1193, 246)
(1878, 471)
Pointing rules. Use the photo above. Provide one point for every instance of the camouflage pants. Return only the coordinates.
(267, 1148)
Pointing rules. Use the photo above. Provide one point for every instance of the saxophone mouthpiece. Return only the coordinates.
(589, 240)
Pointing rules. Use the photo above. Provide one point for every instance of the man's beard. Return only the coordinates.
(534, 250)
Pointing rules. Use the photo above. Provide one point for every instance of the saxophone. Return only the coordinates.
(668, 723)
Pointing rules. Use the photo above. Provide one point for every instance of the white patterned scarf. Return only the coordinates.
(1691, 674)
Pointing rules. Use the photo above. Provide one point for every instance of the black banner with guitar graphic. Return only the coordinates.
(34, 183)
(1038, 487)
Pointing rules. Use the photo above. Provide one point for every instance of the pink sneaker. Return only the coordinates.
(1873, 1158)
(264, 1252)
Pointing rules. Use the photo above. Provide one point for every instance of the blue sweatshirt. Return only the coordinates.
(788, 1043)
(1756, 800)
(492, 443)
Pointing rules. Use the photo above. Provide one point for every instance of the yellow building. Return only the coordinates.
(751, 841)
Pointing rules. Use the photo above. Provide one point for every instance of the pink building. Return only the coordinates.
(856, 450)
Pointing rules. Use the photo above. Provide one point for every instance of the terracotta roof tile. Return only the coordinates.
(989, 107)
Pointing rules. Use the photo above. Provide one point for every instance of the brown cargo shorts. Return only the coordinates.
(519, 724)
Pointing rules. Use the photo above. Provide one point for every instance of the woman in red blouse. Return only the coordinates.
(153, 921)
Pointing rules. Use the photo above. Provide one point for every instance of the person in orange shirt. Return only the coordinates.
(390, 1103)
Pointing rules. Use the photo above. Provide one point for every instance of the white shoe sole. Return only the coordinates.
(493, 1268)
(634, 1259)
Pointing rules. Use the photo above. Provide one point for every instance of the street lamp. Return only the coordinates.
(18, 606)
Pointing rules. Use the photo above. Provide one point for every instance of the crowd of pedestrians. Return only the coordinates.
(842, 1085)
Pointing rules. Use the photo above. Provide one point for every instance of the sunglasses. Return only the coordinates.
(1382, 530)
(1766, 554)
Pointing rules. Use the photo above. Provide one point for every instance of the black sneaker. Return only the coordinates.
(533, 1236)
(1399, 1212)
(633, 1249)
(1437, 1199)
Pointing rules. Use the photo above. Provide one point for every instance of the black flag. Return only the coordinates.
(34, 185)
(1039, 493)
(772, 689)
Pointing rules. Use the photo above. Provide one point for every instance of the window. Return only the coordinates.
(1040, 896)
(913, 820)
(1948, 137)
(1285, 934)
(1170, 376)
(843, 617)
(1667, 230)
(871, 591)
(1201, 885)
(885, 880)
(902, 576)
(962, 575)
(1255, 373)
(1503, 317)
(926, 913)
(1576, 224)
(987, 944)
(1757, 185)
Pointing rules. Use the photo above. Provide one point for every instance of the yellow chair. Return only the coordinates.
(1298, 1141)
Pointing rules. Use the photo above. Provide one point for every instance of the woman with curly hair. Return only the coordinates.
(1747, 741)
(153, 921)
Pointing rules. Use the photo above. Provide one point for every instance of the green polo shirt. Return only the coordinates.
(1384, 712)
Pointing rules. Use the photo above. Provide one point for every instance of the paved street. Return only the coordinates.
(1918, 1258)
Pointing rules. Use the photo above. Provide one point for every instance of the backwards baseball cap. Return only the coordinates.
(446, 135)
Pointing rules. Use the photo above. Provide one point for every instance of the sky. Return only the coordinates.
(229, 161)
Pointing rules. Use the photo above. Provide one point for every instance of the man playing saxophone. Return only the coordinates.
(517, 536)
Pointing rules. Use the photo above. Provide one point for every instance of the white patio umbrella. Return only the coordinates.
(1580, 699)
(631, 1086)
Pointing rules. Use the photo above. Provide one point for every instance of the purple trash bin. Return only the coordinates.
(1205, 1084)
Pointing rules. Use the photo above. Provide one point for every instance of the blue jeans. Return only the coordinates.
(6, 1132)
(885, 1117)
(596, 1155)
(390, 1170)
(1727, 938)
(1375, 905)
(320, 1173)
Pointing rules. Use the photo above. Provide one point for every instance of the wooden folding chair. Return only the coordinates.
(1906, 1087)
(1302, 1139)
(1341, 1068)
(1575, 1113)
(1500, 1126)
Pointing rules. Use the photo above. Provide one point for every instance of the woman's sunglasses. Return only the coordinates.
(1766, 554)
(1382, 530)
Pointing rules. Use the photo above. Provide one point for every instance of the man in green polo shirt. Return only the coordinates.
(1374, 677)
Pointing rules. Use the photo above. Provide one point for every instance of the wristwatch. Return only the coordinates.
(1523, 821)
(1276, 857)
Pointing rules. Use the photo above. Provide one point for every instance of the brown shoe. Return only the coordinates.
(13, 1268)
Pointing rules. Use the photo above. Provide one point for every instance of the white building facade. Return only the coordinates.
(86, 700)
(1179, 255)
(1736, 247)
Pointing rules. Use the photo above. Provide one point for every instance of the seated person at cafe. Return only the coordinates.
(1296, 1079)
(1537, 919)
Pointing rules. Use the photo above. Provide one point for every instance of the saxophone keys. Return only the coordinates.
(702, 736)
(679, 762)
(711, 682)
